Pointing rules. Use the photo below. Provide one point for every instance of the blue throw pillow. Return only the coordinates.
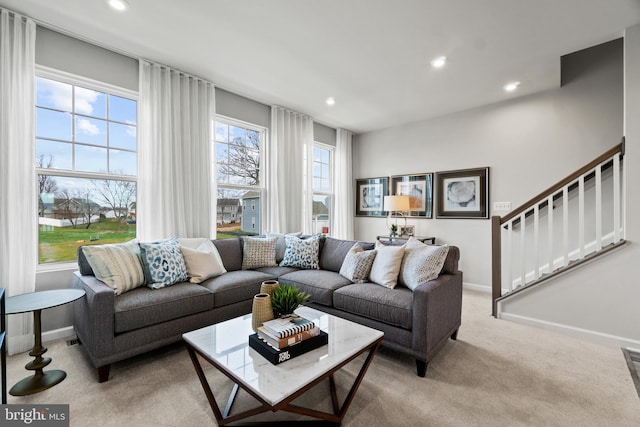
(301, 253)
(163, 263)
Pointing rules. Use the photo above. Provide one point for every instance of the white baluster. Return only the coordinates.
(565, 226)
(510, 255)
(598, 207)
(536, 243)
(616, 198)
(581, 217)
(550, 233)
(523, 251)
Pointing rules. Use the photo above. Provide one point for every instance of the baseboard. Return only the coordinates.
(56, 334)
(594, 336)
(476, 287)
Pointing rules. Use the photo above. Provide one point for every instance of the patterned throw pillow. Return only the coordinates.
(386, 265)
(421, 263)
(163, 263)
(357, 264)
(301, 253)
(258, 252)
(118, 266)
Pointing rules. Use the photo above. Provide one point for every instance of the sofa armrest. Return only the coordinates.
(93, 315)
(437, 312)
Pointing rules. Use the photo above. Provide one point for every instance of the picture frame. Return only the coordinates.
(463, 193)
(419, 188)
(370, 194)
(407, 231)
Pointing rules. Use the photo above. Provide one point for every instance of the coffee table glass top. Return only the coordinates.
(226, 344)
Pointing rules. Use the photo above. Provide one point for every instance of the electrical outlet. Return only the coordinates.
(502, 206)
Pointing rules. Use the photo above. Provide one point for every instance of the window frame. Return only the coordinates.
(87, 83)
(263, 131)
(330, 193)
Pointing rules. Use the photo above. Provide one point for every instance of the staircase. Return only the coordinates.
(571, 223)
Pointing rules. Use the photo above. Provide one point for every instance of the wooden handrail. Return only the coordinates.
(554, 188)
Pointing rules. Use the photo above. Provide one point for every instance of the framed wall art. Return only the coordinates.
(370, 194)
(419, 188)
(463, 193)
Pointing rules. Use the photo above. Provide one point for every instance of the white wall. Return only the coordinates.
(603, 297)
(529, 143)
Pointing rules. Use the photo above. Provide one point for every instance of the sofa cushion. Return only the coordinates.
(451, 262)
(301, 253)
(163, 263)
(230, 251)
(258, 252)
(386, 265)
(281, 243)
(421, 263)
(334, 252)
(236, 286)
(117, 265)
(319, 284)
(144, 307)
(391, 306)
(277, 271)
(357, 264)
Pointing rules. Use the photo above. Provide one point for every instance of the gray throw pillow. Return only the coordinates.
(258, 252)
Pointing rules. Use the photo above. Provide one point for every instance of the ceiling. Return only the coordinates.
(372, 56)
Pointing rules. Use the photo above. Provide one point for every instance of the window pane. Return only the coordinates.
(321, 213)
(91, 159)
(53, 124)
(253, 139)
(90, 102)
(122, 136)
(222, 153)
(122, 110)
(53, 94)
(122, 162)
(91, 131)
(236, 135)
(74, 212)
(238, 213)
(53, 154)
(222, 132)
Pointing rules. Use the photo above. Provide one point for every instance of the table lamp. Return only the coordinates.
(396, 206)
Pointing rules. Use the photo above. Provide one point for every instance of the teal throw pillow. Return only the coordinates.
(301, 253)
(163, 263)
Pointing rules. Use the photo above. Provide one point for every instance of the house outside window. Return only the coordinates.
(86, 142)
(322, 188)
(238, 152)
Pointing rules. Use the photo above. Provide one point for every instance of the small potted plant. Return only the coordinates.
(394, 230)
(285, 299)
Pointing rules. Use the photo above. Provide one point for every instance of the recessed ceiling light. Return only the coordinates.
(510, 87)
(330, 101)
(439, 62)
(119, 5)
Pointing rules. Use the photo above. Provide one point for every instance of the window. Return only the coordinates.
(85, 163)
(322, 188)
(238, 147)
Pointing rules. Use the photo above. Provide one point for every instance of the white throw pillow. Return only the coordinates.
(421, 263)
(357, 264)
(386, 265)
(202, 264)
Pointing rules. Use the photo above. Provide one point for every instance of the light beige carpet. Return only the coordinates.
(498, 373)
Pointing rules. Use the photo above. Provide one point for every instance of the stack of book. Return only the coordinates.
(281, 339)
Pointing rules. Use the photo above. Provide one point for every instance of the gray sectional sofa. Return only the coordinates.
(113, 327)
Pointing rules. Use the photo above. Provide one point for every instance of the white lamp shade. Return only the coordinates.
(396, 203)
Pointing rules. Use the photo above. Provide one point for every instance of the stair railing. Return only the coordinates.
(531, 253)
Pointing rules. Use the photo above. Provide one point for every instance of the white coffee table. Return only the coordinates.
(226, 346)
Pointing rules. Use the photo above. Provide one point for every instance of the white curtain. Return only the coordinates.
(343, 187)
(288, 205)
(18, 208)
(176, 113)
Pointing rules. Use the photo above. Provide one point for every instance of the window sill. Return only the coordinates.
(58, 266)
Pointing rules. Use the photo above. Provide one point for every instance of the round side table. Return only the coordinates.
(36, 302)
